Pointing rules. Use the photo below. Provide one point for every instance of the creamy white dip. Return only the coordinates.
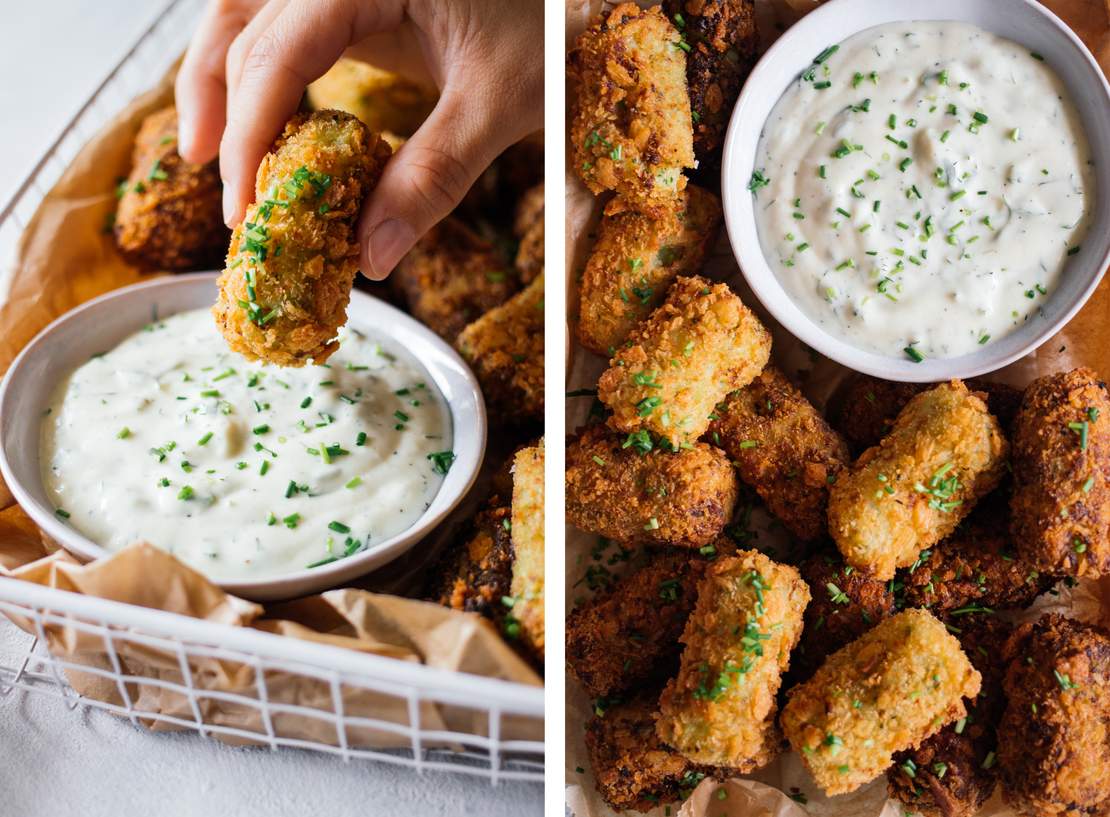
(920, 187)
(241, 469)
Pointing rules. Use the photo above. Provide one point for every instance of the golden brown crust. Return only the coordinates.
(528, 548)
(699, 345)
(783, 448)
(976, 566)
(635, 260)
(170, 215)
(943, 453)
(1061, 499)
(632, 768)
(1054, 737)
(887, 691)
(476, 573)
(949, 774)
(452, 277)
(630, 127)
(297, 241)
(844, 604)
(722, 37)
(656, 497)
(720, 708)
(383, 101)
(629, 634)
(505, 349)
(528, 227)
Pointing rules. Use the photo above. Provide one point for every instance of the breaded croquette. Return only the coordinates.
(635, 260)
(943, 453)
(170, 215)
(864, 408)
(722, 37)
(528, 548)
(452, 277)
(475, 575)
(292, 261)
(845, 603)
(782, 447)
(505, 349)
(528, 228)
(896, 685)
(1053, 744)
(631, 130)
(626, 489)
(953, 773)
(976, 566)
(699, 345)
(633, 769)
(1061, 501)
(629, 634)
(720, 709)
(383, 101)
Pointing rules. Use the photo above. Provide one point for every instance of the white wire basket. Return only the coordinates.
(483, 715)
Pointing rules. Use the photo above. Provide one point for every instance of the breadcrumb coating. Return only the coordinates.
(476, 574)
(504, 347)
(528, 547)
(720, 709)
(284, 292)
(1061, 501)
(699, 345)
(1054, 738)
(383, 101)
(943, 453)
(782, 447)
(631, 130)
(170, 214)
(636, 259)
(887, 691)
(617, 489)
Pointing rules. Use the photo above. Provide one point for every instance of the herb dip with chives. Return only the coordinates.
(920, 187)
(244, 470)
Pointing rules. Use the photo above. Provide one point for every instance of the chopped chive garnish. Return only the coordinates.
(306, 402)
(980, 117)
(210, 393)
(902, 165)
(186, 492)
(353, 482)
(204, 440)
(913, 354)
(442, 461)
(262, 429)
(291, 520)
(61, 512)
(124, 433)
(338, 527)
(758, 180)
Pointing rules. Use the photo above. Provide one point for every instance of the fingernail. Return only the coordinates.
(229, 204)
(388, 242)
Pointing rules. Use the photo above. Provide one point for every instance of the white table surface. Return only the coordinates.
(56, 763)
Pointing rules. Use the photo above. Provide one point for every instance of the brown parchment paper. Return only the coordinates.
(1084, 341)
(67, 256)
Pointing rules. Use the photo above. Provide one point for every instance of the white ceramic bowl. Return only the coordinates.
(1022, 21)
(107, 320)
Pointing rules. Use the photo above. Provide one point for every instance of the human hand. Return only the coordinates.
(250, 61)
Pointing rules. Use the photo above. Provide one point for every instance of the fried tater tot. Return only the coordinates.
(1061, 501)
(1053, 749)
(636, 259)
(976, 566)
(382, 100)
(629, 634)
(631, 130)
(505, 349)
(783, 448)
(845, 603)
(720, 709)
(292, 261)
(949, 774)
(528, 549)
(904, 495)
(476, 574)
(864, 408)
(723, 39)
(887, 691)
(528, 227)
(632, 768)
(626, 490)
(452, 277)
(699, 345)
(170, 213)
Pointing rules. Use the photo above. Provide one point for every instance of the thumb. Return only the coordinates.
(428, 178)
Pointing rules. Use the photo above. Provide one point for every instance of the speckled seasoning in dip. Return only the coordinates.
(920, 188)
(239, 469)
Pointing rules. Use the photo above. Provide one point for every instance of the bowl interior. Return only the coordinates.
(101, 324)
(1022, 21)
